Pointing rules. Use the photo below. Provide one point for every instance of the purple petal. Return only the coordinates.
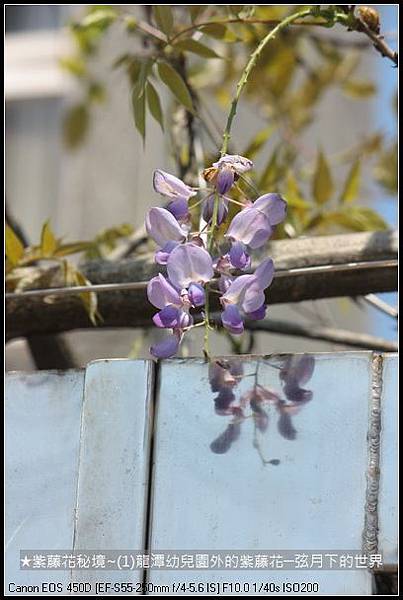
(231, 319)
(257, 314)
(168, 317)
(161, 293)
(253, 297)
(264, 273)
(239, 163)
(166, 348)
(170, 186)
(185, 320)
(179, 208)
(196, 294)
(273, 206)
(161, 256)
(224, 283)
(225, 179)
(238, 257)
(189, 264)
(250, 227)
(208, 209)
(162, 226)
(236, 290)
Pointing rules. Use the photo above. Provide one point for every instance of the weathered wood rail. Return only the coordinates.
(306, 269)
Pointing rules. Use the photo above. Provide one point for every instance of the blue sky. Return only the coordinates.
(386, 121)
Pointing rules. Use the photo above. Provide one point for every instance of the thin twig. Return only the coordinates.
(378, 41)
(379, 304)
(314, 332)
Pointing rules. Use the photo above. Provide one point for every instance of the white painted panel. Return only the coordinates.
(114, 462)
(42, 447)
(313, 499)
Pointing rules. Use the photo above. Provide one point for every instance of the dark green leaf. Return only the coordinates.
(175, 83)
(195, 10)
(139, 110)
(198, 48)
(215, 30)
(154, 104)
(96, 92)
(75, 125)
(164, 18)
(322, 184)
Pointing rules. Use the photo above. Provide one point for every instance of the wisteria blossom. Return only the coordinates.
(244, 297)
(176, 191)
(194, 267)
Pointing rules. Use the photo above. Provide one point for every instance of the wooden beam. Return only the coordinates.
(306, 269)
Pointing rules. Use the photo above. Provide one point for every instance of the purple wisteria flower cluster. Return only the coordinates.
(192, 262)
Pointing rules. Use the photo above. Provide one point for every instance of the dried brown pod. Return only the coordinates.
(370, 17)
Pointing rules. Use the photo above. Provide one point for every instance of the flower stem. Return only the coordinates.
(206, 348)
(251, 63)
(227, 134)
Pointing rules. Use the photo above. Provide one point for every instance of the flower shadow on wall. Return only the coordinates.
(260, 403)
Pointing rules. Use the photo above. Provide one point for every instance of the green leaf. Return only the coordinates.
(198, 48)
(131, 23)
(73, 248)
(89, 299)
(154, 104)
(73, 65)
(48, 241)
(101, 17)
(322, 184)
(75, 125)
(195, 10)
(359, 89)
(271, 172)
(293, 194)
(215, 30)
(96, 92)
(74, 277)
(358, 218)
(14, 246)
(352, 183)
(164, 18)
(175, 83)
(257, 142)
(139, 109)
(386, 169)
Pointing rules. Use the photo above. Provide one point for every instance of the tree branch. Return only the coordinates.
(378, 41)
(302, 273)
(47, 351)
(326, 334)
